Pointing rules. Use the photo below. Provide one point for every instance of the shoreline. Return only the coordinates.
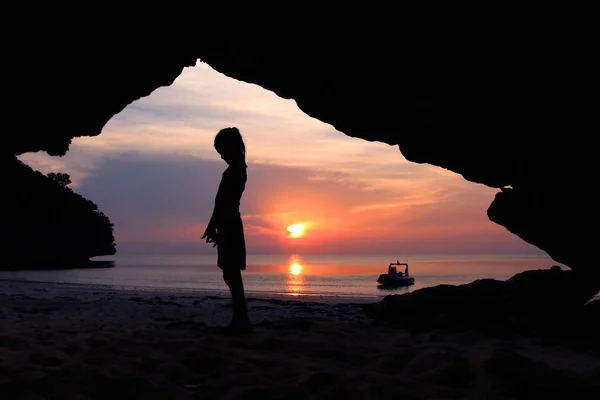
(8, 284)
(328, 298)
(224, 294)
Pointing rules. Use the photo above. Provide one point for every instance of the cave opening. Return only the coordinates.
(153, 171)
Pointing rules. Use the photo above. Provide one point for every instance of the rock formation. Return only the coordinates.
(502, 107)
(541, 303)
(46, 224)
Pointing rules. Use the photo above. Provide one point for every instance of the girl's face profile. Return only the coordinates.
(224, 157)
(227, 155)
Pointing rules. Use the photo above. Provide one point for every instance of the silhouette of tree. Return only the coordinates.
(45, 222)
(60, 178)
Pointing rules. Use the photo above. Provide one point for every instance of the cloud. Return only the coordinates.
(169, 197)
(154, 171)
(164, 202)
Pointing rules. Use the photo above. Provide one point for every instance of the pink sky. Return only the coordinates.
(154, 171)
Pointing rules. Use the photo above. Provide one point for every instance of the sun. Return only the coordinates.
(296, 230)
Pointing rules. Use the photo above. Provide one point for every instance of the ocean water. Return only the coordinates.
(352, 276)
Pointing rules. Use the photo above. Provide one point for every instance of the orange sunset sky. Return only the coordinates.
(154, 172)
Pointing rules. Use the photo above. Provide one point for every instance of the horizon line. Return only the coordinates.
(287, 253)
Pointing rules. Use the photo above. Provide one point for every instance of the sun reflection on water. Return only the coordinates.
(295, 269)
(295, 281)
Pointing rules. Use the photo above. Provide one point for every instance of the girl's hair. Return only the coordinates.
(229, 140)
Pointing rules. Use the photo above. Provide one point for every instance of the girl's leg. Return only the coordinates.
(233, 279)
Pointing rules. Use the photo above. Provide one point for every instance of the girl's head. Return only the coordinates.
(230, 145)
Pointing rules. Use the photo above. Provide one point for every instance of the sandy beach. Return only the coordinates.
(79, 342)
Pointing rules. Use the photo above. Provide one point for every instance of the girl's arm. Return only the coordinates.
(213, 223)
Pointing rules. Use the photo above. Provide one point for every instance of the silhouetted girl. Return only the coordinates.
(225, 228)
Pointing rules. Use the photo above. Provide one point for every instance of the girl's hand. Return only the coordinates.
(211, 235)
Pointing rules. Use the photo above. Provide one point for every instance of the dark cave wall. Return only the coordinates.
(503, 114)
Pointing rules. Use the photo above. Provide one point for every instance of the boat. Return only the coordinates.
(395, 278)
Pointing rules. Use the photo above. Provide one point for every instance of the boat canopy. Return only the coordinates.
(392, 268)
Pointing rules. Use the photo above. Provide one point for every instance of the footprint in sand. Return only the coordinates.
(96, 342)
(13, 343)
(319, 381)
(45, 360)
(70, 349)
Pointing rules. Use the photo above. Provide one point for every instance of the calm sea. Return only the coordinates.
(352, 276)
